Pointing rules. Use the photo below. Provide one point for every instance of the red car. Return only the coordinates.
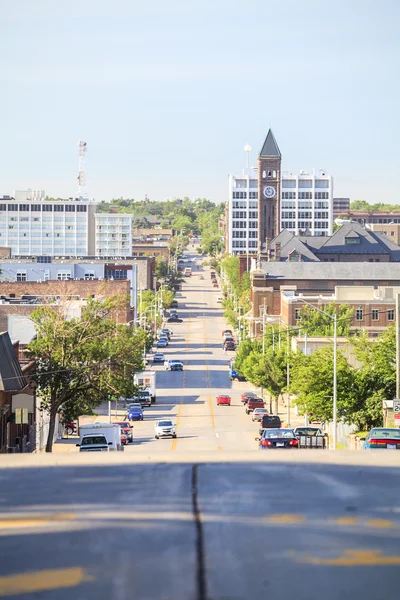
(215, 284)
(246, 396)
(223, 399)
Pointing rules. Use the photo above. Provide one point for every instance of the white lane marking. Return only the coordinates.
(338, 488)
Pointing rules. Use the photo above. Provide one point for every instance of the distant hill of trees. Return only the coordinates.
(380, 206)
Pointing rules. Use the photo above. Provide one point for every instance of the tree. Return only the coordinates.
(312, 382)
(375, 378)
(268, 371)
(314, 322)
(80, 362)
(182, 223)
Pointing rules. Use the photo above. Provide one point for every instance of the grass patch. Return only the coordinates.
(361, 433)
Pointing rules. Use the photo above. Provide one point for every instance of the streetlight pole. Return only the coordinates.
(334, 318)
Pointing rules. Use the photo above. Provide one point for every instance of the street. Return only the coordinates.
(206, 516)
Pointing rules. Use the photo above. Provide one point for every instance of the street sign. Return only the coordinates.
(396, 407)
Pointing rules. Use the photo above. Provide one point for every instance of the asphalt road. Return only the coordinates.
(189, 397)
(206, 517)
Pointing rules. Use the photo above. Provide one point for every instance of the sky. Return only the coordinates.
(167, 93)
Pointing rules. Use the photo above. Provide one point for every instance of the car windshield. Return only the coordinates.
(278, 433)
(95, 439)
(164, 423)
(260, 411)
(385, 433)
(308, 431)
(135, 407)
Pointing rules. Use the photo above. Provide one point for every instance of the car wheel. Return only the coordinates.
(247, 412)
(174, 436)
(69, 430)
(156, 436)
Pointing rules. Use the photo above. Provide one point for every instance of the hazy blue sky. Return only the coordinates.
(167, 92)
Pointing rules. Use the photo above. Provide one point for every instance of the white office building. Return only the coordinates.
(113, 234)
(243, 212)
(50, 228)
(307, 203)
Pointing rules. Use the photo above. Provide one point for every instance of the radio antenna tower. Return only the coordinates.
(82, 192)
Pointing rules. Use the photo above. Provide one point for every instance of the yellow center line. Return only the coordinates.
(178, 416)
(34, 520)
(40, 581)
(208, 385)
(354, 558)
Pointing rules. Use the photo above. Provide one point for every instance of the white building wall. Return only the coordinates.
(113, 234)
(34, 227)
(243, 213)
(307, 203)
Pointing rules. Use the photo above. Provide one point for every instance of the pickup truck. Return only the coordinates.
(311, 437)
(253, 403)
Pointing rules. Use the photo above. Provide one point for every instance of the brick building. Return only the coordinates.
(69, 295)
(273, 278)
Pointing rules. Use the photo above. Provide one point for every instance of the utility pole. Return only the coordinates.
(287, 375)
(397, 346)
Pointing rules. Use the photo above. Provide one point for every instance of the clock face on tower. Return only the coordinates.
(269, 191)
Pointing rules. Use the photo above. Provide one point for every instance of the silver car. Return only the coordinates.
(164, 428)
(258, 414)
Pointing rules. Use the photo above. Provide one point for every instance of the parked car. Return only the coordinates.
(174, 304)
(227, 332)
(158, 357)
(164, 428)
(224, 399)
(164, 333)
(229, 345)
(126, 429)
(272, 439)
(215, 284)
(382, 438)
(168, 331)
(163, 343)
(258, 414)
(247, 395)
(270, 422)
(135, 412)
(253, 403)
(173, 312)
(174, 320)
(164, 337)
(220, 299)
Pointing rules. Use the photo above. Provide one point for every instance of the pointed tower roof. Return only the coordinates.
(270, 147)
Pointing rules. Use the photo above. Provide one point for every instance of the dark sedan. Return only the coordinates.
(174, 320)
(272, 439)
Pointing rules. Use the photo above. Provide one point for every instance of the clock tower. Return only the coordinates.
(269, 191)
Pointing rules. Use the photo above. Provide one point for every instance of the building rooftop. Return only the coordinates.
(270, 147)
(333, 270)
(11, 377)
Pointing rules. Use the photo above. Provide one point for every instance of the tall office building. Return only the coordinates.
(113, 234)
(307, 203)
(243, 213)
(37, 227)
(263, 201)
